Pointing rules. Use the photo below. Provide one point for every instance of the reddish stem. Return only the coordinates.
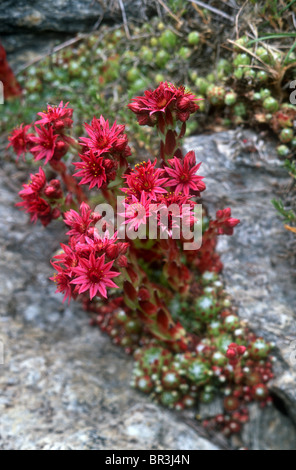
(70, 182)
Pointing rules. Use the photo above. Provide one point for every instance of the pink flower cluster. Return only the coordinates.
(20, 140)
(49, 143)
(40, 198)
(224, 223)
(85, 264)
(104, 151)
(151, 189)
(164, 105)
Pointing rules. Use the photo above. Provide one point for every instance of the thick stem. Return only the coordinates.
(170, 144)
(152, 309)
(110, 197)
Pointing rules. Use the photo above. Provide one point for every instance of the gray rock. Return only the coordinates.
(268, 430)
(31, 29)
(67, 16)
(259, 265)
(146, 425)
(23, 48)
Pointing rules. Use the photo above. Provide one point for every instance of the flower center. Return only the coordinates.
(161, 103)
(47, 144)
(102, 142)
(95, 276)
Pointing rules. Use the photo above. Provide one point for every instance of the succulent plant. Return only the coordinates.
(216, 95)
(193, 38)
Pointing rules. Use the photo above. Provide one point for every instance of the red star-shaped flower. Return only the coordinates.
(37, 183)
(183, 173)
(79, 223)
(94, 275)
(58, 116)
(45, 144)
(103, 139)
(91, 170)
(164, 104)
(63, 281)
(19, 140)
(145, 177)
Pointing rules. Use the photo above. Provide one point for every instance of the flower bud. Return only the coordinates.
(148, 307)
(56, 213)
(53, 190)
(122, 261)
(129, 290)
(143, 293)
(69, 200)
(112, 251)
(120, 143)
(59, 125)
(61, 149)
